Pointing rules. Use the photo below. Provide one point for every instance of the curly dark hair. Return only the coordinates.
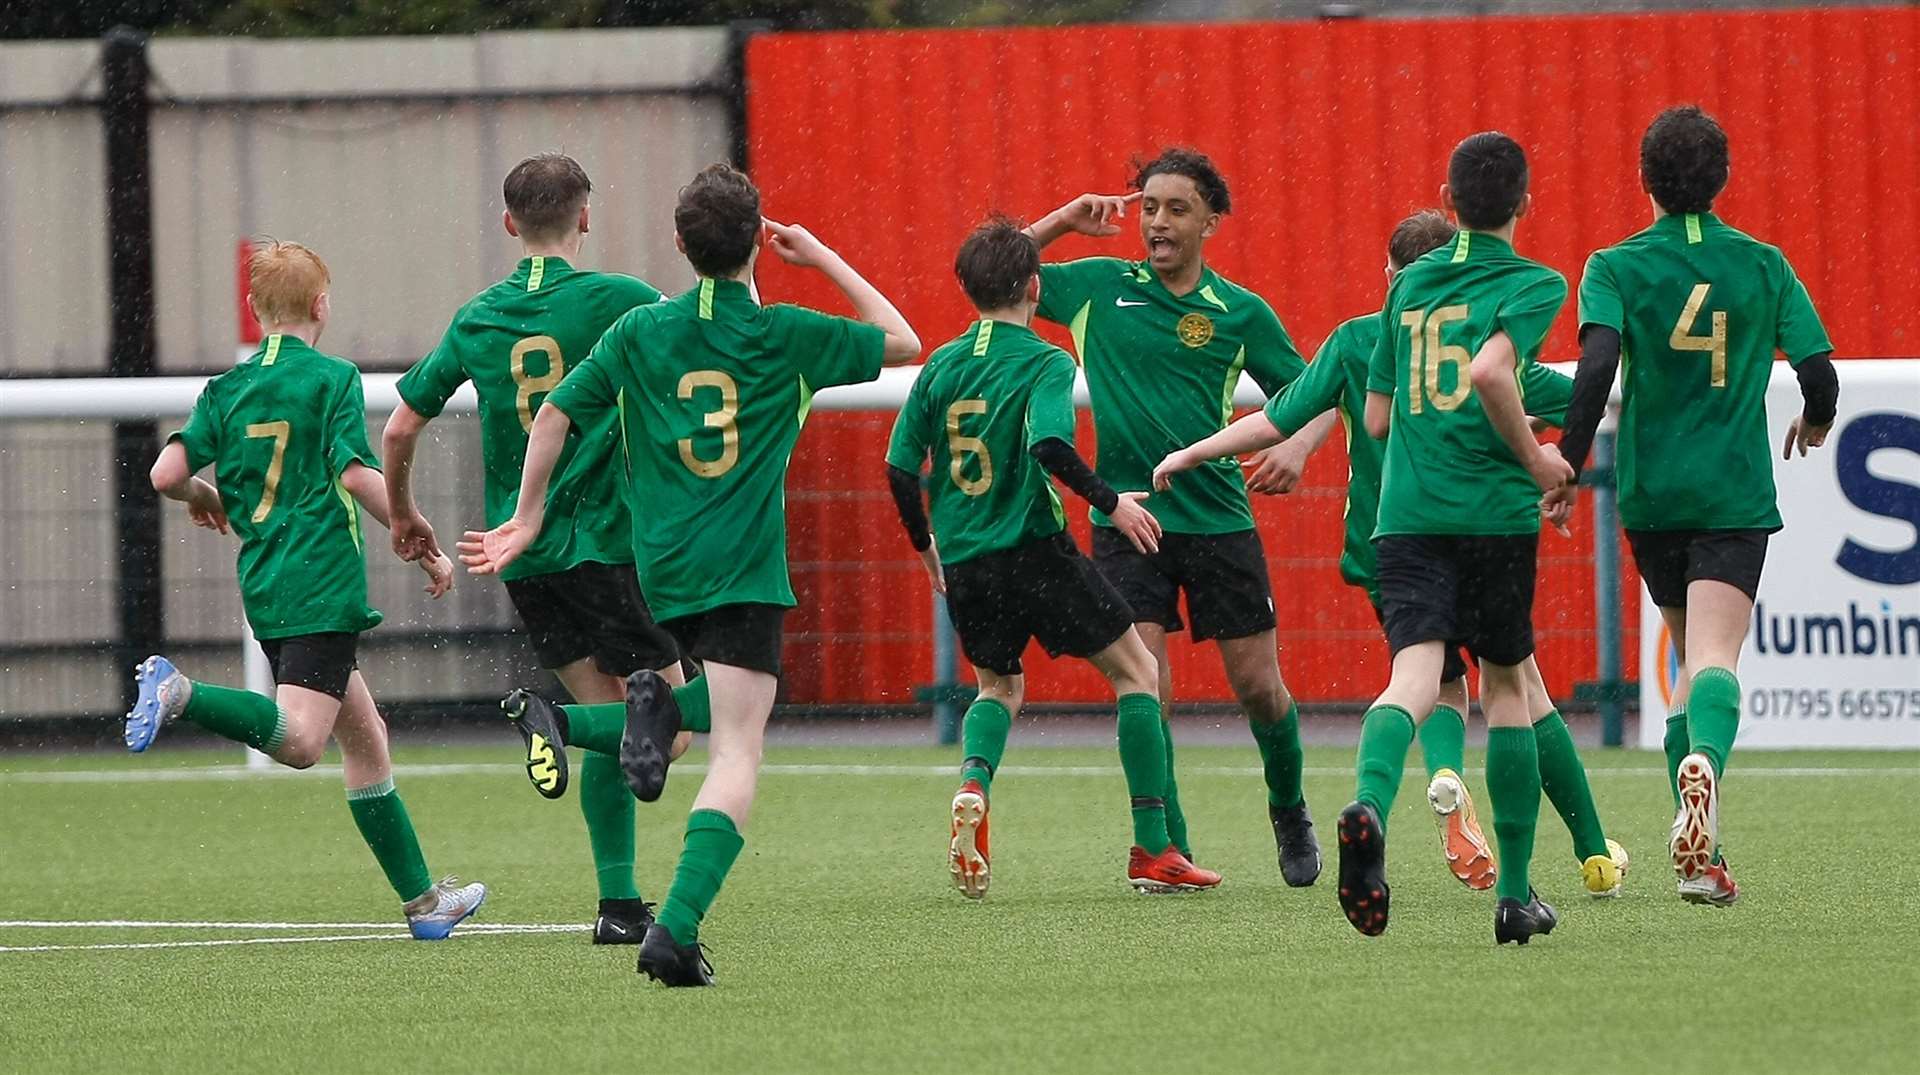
(1179, 160)
(995, 263)
(1488, 177)
(1683, 158)
(718, 218)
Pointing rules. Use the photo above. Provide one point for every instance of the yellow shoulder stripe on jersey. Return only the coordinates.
(1207, 294)
(1077, 328)
(1460, 248)
(1693, 228)
(273, 349)
(706, 298)
(536, 273)
(983, 337)
(1233, 382)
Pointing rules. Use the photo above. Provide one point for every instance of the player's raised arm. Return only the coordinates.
(1249, 433)
(1098, 215)
(797, 246)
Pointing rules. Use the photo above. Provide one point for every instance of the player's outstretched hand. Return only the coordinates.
(1097, 214)
(439, 571)
(1803, 436)
(930, 556)
(1277, 469)
(487, 553)
(413, 537)
(796, 245)
(1131, 518)
(1549, 468)
(1174, 463)
(204, 508)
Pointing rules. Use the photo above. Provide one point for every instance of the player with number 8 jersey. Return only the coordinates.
(575, 590)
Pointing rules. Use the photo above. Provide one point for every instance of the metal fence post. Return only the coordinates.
(946, 676)
(1610, 692)
(124, 118)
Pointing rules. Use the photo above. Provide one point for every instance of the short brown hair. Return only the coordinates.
(995, 263)
(283, 280)
(718, 218)
(544, 195)
(1424, 231)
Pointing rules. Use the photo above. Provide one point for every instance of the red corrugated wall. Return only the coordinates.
(891, 145)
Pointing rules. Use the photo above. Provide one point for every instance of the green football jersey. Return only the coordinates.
(279, 429)
(1446, 470)
(1700, 308)
(1161, 369)
(515, 341)
(979, 404)
(1337, 379)
(710, 389)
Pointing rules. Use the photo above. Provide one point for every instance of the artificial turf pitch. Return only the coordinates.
(840, 945)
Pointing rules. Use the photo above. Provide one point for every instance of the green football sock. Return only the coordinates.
(1443, 741)
(1385, 735)
(1282, 761)
(607, 804)
(1677, 744)
(1176, 817)
(1143, 757)
(242, 716)
(1713, 715)
(983, 736)
(712, 844)
(384, 825)
(596, 726)
(1513, 784)
(1564, 780)
(696, 707)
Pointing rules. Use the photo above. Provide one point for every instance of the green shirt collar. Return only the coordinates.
(1687, 224)
(1471, 243)
(536, 271)
(278, 347)
(1207, 294)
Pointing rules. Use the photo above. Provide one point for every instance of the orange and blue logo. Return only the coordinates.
(1667, 666)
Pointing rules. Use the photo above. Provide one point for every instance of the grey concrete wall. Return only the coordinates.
(401, 197)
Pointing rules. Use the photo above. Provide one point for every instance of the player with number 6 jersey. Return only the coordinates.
(575, 590)
(1694, 310)
(994, 409)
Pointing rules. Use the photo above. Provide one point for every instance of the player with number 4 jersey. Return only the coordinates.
(575, 590)
(1693, 310)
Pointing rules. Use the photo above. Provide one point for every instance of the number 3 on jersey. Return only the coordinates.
(960, 445)
(722, 418)
(1714, 344)
(1428, 354)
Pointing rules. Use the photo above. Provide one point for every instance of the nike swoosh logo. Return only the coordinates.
(1123, 302)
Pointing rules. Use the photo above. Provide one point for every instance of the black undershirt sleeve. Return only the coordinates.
(1592, 383)
(1061, 461)
(1820, 388)
(905, 486)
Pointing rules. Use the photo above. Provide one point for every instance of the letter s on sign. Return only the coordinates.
(1885, 497)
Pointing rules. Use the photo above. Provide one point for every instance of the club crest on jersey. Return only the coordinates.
(1195, 330)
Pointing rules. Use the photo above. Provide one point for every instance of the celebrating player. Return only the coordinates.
(1459, 523)
(1337, 378)
(1701, 308)
(1164, 342)
(709, 389)
(995, 408)
(286, 434)
(575, 588)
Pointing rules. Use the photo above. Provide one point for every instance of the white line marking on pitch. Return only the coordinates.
(465, 931)
(129, 923)
(234, 772)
